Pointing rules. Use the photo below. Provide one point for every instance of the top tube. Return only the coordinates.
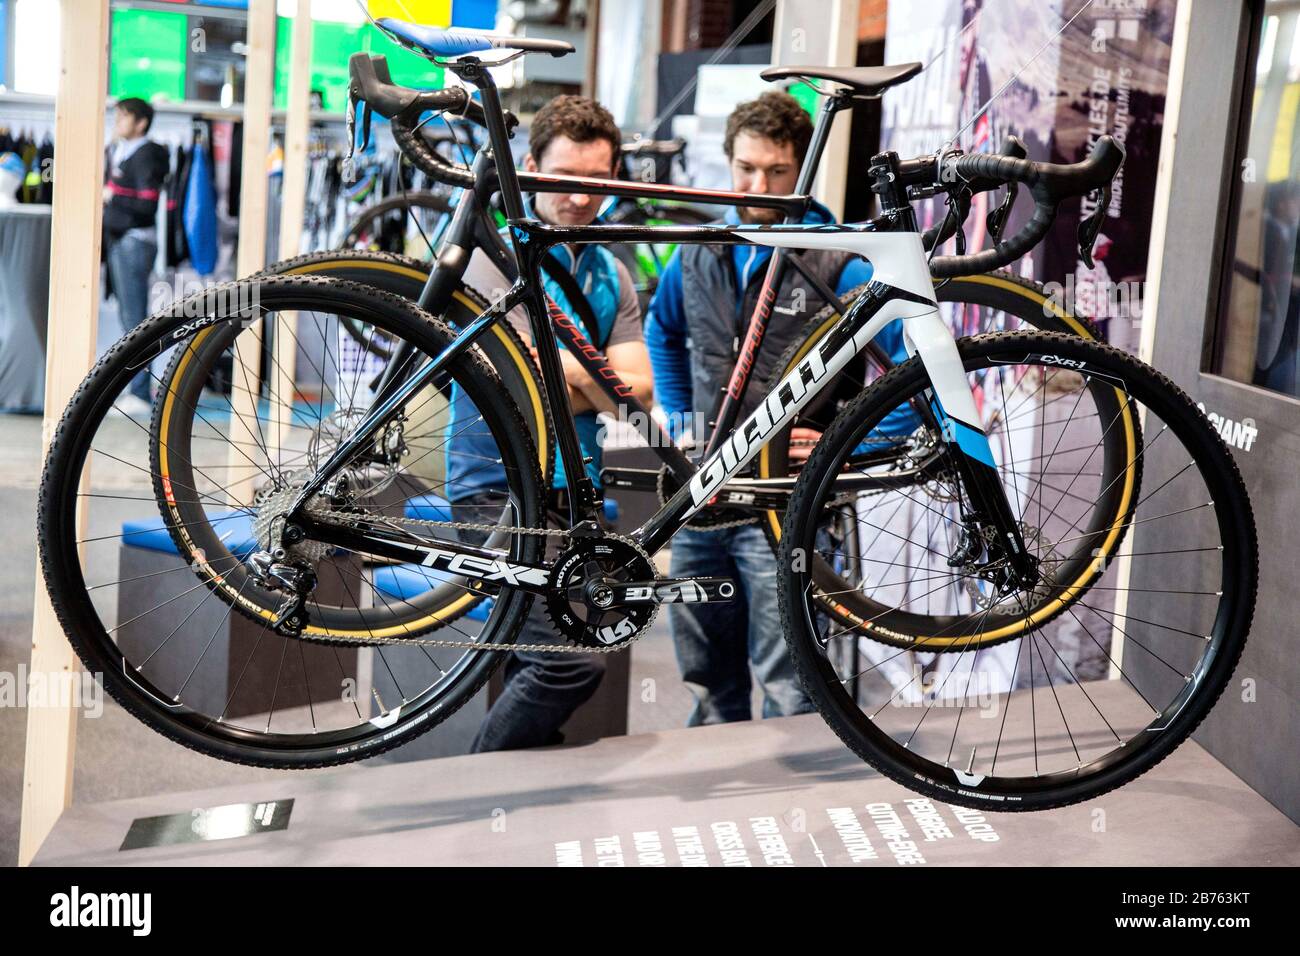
(517, 182)
(556, 183)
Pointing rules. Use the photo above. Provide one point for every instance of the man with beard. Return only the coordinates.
(695, 326)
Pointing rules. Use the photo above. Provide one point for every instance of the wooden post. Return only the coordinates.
(674, 26)
(259, 76)
(593, 48)
(293, 196)
(821, 34)
(74, 308)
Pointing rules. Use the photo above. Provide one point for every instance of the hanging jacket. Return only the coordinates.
(177, 249)
(200, 213)
(45, 161)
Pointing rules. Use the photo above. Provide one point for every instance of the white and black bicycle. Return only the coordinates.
(959, 519)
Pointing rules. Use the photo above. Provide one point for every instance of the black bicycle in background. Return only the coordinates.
(997, 301)
(1001, 491)
(418, 219)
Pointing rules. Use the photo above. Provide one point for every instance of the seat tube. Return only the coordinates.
(752, 339)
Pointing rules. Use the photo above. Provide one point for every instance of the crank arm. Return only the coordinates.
(675, 591)
(630, 479)
(773, 494)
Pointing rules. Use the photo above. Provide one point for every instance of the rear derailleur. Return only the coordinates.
(277, 571)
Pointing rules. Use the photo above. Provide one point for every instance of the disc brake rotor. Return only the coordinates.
(364, 478)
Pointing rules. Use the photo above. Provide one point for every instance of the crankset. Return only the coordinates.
(580, 594)
(605, 591)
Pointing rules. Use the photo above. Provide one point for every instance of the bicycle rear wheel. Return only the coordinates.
(133, 509)
(994, 302)
(1164, 603)
(384, 227)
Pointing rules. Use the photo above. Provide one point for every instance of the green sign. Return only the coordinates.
(331, 46)
(148, 55)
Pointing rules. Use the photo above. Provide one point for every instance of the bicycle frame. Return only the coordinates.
(471, 228)
(901, 289)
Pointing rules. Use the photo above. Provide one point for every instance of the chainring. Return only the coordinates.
(577, 619)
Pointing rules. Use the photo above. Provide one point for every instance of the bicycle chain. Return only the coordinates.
(326, 516)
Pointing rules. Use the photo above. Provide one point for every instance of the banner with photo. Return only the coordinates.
(1105, 73)
(997, 68)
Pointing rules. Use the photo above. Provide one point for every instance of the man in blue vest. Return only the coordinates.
(576, 136)
(695, 325)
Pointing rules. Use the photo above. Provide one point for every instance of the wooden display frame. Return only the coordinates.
(74, 295)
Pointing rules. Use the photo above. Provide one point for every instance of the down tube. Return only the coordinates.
(874, 309)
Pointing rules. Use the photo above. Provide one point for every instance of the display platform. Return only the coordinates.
(774, 792)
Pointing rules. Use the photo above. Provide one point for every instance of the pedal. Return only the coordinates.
(675, 591)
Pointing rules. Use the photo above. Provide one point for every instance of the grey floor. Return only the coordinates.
(690, 797)
(117, 757)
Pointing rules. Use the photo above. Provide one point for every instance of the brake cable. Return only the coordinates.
(959, 232)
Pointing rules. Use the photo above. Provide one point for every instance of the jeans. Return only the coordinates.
(130, 262)
(716, 644)
(542, 690)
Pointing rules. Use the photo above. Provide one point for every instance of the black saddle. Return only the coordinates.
(862, 80)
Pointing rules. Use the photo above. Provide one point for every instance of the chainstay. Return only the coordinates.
(564, 648)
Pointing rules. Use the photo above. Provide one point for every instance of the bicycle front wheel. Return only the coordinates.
(1113, 668)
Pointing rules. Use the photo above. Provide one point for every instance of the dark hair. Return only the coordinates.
(774, 115)
(137, 108)
(580, 118)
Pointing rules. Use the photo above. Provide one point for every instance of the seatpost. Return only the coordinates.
(831, 105)
(473, 71)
